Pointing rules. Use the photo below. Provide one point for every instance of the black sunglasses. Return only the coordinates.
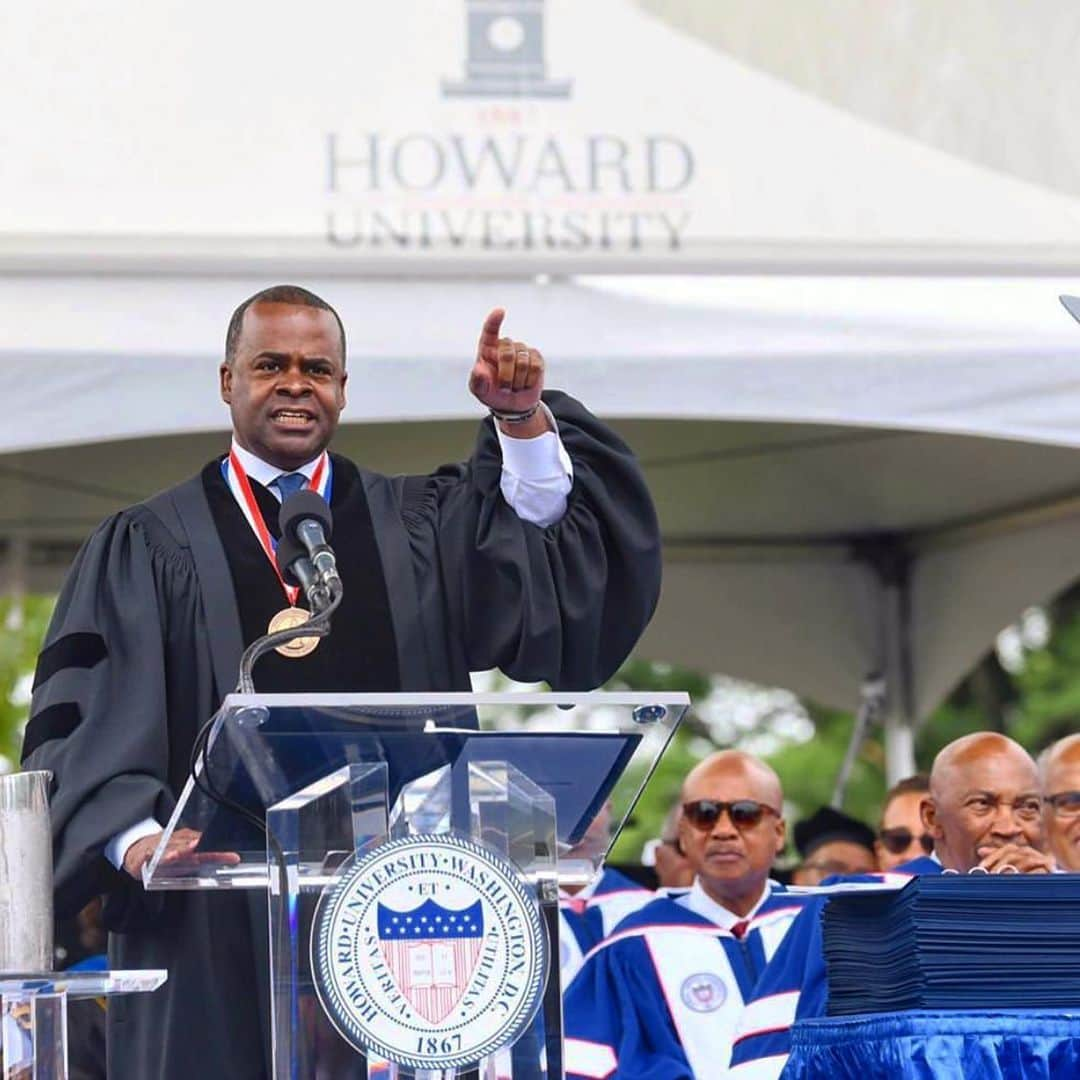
(744, 813)
(896, 840)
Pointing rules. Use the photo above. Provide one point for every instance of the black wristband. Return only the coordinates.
(516, 417)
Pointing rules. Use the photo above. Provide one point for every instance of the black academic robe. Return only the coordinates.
(142, 648)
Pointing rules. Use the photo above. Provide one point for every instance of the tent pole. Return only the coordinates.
(898, 722)
(889, 557)
(899, 749)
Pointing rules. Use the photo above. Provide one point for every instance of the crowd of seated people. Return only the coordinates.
(705, 977)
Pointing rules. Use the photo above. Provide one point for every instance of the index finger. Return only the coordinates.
(489, 335)
(1001, 855)
(991, 855)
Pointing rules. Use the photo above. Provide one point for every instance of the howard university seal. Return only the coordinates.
(704, 992)
(429, 952)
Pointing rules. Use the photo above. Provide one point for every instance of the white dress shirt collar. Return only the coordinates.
(701, 903)
(263, 471)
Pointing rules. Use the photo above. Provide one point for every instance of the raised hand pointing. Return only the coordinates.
(508, 377)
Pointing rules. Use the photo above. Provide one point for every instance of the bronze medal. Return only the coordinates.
(286, 619)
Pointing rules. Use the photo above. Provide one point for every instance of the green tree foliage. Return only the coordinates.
(1035, 704)
(1047, 706)
(808, 770)
(22, 627)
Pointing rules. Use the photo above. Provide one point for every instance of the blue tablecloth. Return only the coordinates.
(1009, 1044)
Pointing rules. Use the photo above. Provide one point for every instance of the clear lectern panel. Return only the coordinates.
(412, 849)
(588, 751)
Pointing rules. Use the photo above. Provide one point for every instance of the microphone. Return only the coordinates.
(306, 520)
(297, 569)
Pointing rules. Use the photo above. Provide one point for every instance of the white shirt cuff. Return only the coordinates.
(537, 475)
(117, 847)
(542, 457)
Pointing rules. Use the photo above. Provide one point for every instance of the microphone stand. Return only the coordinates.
(317, 626)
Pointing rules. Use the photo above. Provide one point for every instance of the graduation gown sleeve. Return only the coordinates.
(122, 685)
(617, 1022)
(563, 604)
(792, 986)
(98, 715)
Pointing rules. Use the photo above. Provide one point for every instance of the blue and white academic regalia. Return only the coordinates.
(794, 986)
(660, 998)
(590, 915)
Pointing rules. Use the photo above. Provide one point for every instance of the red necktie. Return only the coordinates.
(738, 931)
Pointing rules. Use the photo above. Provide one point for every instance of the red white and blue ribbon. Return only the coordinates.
(240, 485)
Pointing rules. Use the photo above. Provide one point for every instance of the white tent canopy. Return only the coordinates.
(994, 358)
(612, 141)
(852, 476)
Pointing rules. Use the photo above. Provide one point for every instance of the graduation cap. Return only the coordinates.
(1072, 305)
(826, 825)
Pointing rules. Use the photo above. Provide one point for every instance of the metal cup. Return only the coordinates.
(26, 896)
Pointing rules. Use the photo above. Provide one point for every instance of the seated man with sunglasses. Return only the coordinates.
(660, 997)
(1059, 770)
(902, 836)
(984, 813)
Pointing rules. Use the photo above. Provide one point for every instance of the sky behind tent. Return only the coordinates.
(987, 81)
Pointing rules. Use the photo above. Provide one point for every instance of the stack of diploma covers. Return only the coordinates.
(969, 941)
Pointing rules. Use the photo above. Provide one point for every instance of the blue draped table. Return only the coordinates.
(1005, 1044)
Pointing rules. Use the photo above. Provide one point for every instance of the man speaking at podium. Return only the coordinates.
(540, 555)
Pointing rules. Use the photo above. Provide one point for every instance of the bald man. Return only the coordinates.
(983, 811)
(661, 996)
(1059, 773)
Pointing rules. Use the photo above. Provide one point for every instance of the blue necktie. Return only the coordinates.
(289, 484)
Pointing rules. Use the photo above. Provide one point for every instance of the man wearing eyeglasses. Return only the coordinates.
(984, 813)
(1059, 770)
(902, 836)
(661, 996)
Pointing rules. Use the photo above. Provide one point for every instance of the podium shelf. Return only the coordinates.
(81, 984)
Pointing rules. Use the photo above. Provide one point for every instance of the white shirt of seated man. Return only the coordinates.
(537, 477)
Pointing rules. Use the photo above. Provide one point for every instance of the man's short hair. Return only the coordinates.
(919, 783)
(277, 294)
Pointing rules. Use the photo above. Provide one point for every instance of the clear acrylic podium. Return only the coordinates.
(33, 1015)
(335, 776)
